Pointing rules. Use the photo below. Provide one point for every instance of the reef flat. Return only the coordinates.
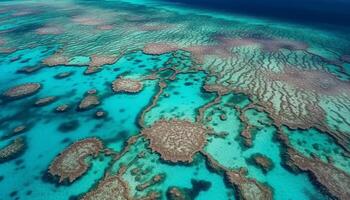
(150, 100)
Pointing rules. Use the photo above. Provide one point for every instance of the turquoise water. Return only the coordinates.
(257, 86)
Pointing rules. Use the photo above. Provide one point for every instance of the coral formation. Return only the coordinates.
(45, 101)
(110, 188)
(21, 91)
(72, 163)
(262, 161)
(176, 140)
(334, 181)
(89, 101)
(127, 85)
(12, 150)
(248, 189)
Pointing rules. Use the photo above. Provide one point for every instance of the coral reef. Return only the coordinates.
(126, 85)
(334, 181)
(159, 48)
(175, 193)
(110, 188)
(56, 59)
(21, 91)
(12, 150)
(176, 140)
(248, 189)
(62, 108)
(63, 75)
(154, 180)
(45, 101)
(89, 101)
(72, 163)
(262, 161)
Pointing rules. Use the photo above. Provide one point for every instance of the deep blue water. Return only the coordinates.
(335, 12)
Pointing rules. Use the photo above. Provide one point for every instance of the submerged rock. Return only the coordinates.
(175, 193)
(21, 91)
(110, 188)
(127, 85)
(89, 101)
(12, 150)
(19, 129)
(100, 114)
(176, 140)
(45, 101)
(248, 189)
(28, 70)
(63, 75)
(154, 180)
(62, 108)
(334, 181)
(16, 131)
(71, 163)
(262, 161)
(92, 70)
(216, 88)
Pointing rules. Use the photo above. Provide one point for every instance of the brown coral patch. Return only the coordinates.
(334, 181)
(62, 108)
(100, 114)
(175, 193)
(19, 129)
(71, 163)
(92, 70)
(56, 59)
(63, 75)
(16, 131)
(21, 91)
(312, 80)
(159, 48)
(248, 189)
(152, 195)
(98, 61)
(12, 150)
(89, 101)
(154, 180)
(28, 70)
(176, 140)
(262, 161)
(110, 188)
(222, 90)
(127, 85)
(45, 101)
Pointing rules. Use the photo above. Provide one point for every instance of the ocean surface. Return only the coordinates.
(179, 100)
(301, 11)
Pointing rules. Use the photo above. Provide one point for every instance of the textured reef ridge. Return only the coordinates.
(70, 164)
(176, 140)
(118, 100)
